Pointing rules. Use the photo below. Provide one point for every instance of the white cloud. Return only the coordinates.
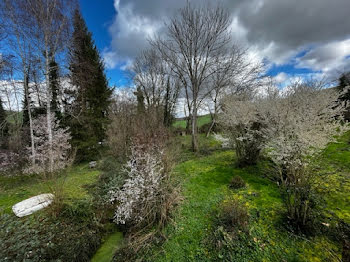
(281, 78)
(275, 30)
(130, 33)
(328, 58)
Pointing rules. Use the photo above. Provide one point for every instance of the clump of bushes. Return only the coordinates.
(72, 236)
(237, 182)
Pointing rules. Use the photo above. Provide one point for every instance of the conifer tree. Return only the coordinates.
(3, 125)
(92, 97)
(55, 88)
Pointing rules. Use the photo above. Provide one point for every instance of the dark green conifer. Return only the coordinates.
(92, 96)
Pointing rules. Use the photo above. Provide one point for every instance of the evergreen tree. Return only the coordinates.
(55, 88)
(25, 100)
(3, 126)
(92, 97)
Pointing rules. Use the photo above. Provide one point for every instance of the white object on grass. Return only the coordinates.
(33, 204)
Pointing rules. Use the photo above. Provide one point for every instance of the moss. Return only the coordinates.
(107, 250)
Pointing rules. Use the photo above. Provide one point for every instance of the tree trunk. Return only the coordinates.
(194, 128)
(48, 107)
(188, 124)
(26, 92)
(211, 127)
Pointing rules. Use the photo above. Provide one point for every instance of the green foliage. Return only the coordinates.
(237, 182)
(112, 177)
(232, 246)
(92, 97)
(42, 238)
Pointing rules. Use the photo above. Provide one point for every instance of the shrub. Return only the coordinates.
(301, 201)
(145, 200)
(344, 235)
(40, 238)
(237, 182)
(112, 178)
(233, 215)
(230, 239)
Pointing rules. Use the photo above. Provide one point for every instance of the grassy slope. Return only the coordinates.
(202, 120)
(205, 183)
(335, 176)
(18, 188)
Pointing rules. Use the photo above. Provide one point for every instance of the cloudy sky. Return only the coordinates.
(294, 38)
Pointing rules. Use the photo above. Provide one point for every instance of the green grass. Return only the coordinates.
(106, 252)
(204, 178)
(17, 188)
(205, 182)
(202, 120)
(338, 153)
(334, 176)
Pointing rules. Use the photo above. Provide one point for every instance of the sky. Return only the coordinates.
(300, 38)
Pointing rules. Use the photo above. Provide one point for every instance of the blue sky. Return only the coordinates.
(291, 37)
(99, 16)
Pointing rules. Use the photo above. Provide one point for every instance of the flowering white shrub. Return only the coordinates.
(60, 147)
(291, 126)
(225, 142)
(138, 196)
(302, 122)
(245, 126)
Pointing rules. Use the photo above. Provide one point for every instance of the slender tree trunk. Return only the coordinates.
(48, 106)
(26, 92)
(194, 127)
(188, 123)
(213, 118)
(211, 127)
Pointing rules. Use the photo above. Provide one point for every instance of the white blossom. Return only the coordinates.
(60, 146)
(145, 174)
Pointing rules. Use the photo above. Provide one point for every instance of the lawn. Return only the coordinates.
(205, 182)
(202, 120)
(17, 188)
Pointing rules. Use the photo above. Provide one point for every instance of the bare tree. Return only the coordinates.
(159, 88)
(235, 75)
(50, 32)
(196, 39)
(15, 15)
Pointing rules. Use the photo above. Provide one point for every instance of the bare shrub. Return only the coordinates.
(129, 127)
(233, 215)
(237, 182)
